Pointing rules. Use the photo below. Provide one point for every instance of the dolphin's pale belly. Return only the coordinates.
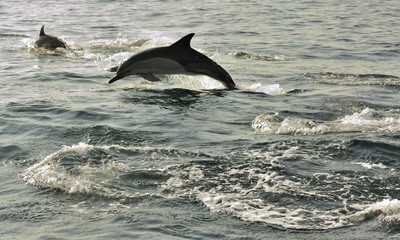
(158, 66)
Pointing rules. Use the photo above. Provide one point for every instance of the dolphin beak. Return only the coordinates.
(115, 78)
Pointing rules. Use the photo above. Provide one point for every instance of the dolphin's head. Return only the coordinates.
(117, 77)
(145, 63)
(122, 71)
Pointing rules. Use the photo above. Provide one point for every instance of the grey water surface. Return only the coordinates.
(306, 147)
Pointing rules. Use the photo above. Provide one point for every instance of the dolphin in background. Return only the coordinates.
(178, 58)
(49, 42)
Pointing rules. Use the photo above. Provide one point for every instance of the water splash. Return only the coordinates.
(265, 185)
(367, 120)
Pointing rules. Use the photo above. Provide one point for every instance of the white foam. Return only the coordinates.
(367, 120)
(28, 42)
(49, 173)
(90, 169)
(250, 208)
(270, 89)
(228, 195)
(250, 192)
(262, 192)
(368, 165)
(272, 124)
(387, 211)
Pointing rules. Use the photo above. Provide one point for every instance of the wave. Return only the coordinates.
(387, 211)
(12, 35)
(97, 170)
(73, 169)
(366, 120)
(353, 79)
(286, 184)
(289, 184)
(200, 86)
(255, 56)
(270, 89)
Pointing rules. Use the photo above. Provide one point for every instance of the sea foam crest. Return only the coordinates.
(73, 170)
(103, 170)
(265, 188)
(366, 120)
(387, 211)
(256, 193)
(270, 89)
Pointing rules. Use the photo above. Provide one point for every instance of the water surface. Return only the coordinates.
(307, 147)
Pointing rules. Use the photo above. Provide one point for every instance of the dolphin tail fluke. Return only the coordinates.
(226, 81)
(229, 84)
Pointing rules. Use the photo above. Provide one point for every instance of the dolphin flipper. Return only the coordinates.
(113, 69)
(150, 77)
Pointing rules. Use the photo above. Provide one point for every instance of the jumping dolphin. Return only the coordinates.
(49, 42)
(178, 58)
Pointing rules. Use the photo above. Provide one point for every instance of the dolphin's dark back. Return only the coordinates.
(198, 63)
(182, 56)
(49, 42)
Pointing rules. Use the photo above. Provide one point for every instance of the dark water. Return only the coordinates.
(307, 147)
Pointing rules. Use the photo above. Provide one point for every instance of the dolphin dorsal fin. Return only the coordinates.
(42, 32)
(184, 42)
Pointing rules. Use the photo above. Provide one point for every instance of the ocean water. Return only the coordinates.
(306, 147)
